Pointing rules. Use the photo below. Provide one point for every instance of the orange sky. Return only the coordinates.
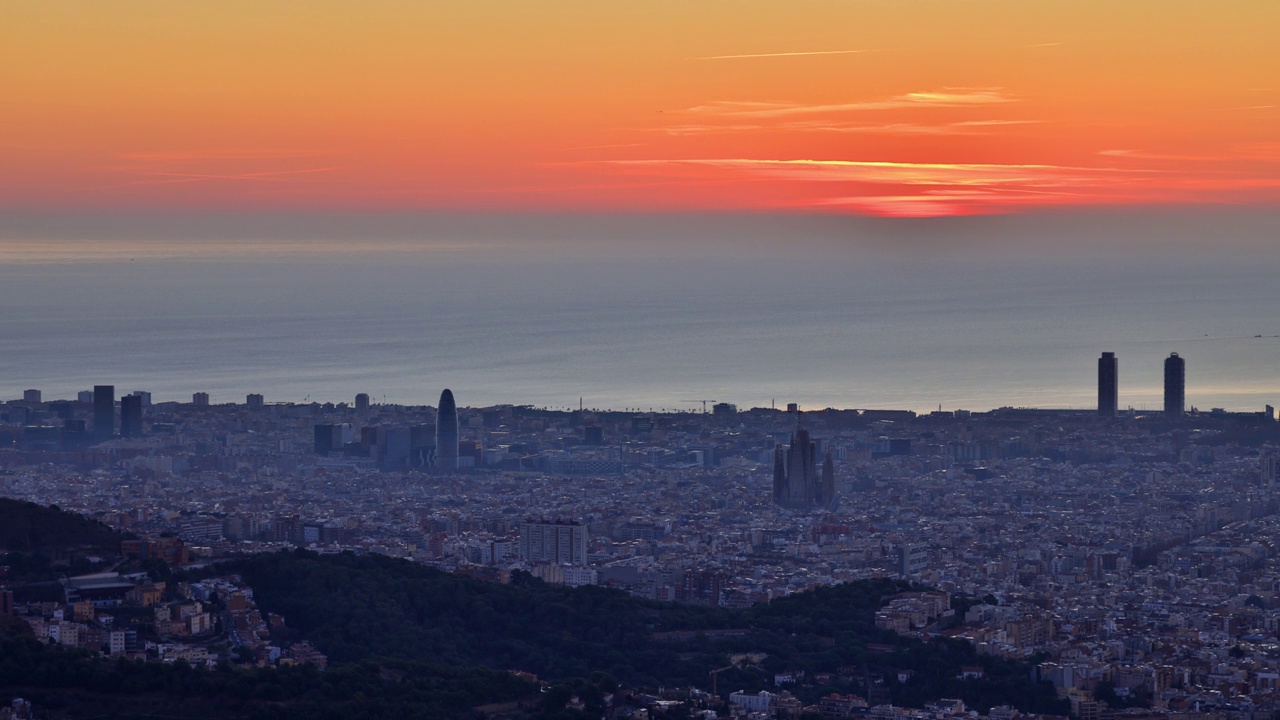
(884, 107)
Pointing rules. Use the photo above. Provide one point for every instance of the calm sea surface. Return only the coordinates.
(637, 313)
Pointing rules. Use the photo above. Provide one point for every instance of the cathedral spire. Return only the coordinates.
(796, 482)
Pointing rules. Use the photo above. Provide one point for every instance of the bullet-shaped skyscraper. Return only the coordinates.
(1108, 385)
(447, 432)
(1175, 386)
(104, 411)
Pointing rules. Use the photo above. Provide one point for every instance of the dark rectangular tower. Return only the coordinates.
(324, 439)
(131, 416)
(1175, 386)
(104, 411)
(1108, 385)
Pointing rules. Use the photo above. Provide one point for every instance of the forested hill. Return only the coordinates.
(356, 607)
(369, 610)
(65, 683)
(360, 606)
(38, 530)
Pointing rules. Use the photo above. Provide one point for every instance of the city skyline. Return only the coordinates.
(1173, 404)
(1027, 521)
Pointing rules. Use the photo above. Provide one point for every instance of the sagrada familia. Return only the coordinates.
(796, 483)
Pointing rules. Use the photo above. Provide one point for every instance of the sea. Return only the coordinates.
(663, 312)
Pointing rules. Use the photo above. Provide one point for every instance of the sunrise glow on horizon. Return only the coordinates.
(910, 108)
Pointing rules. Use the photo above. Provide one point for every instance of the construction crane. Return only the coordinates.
(704, 404)
(715, 676)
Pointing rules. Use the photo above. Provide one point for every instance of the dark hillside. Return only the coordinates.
(355, 607)
(70, 684)
(34, 529)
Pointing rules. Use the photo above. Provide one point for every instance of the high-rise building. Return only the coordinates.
(104, 411)
(796, 483)
(31, 396)
(1175, 386)
(362, 403)
(396, 446)
(200, 399)
(1270, 471)
(1108, 385)
(701, 587)
(254, 400)
(447, 432)
(324, 439)
(131, 416)
(827, 488)
(562, 543)
(422, 449)
(724, 413)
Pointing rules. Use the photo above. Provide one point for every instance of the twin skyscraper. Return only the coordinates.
(1175, 385)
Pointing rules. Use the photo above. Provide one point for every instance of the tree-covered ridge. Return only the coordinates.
(358, 606)
(32, 529)
(71, 683)
(451, 638)
(353, 607)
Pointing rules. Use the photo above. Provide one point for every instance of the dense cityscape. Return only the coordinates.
(1130, 556)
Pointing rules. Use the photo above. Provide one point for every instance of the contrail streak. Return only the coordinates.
(786, 54)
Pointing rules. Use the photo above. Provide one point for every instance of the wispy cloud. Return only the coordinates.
(919, 189)
(1040, 45)
(1259, 151)
(738, 107)
(935, 203)
(223, 154)
(968, 127)
(691, 129)
(1245, 153)
(947, 98)
(907, 173)
(927, 189)
(990, 123)
(1142, 155)
(202, 165)
(605, 147)
(169, 178)
(786, 54)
